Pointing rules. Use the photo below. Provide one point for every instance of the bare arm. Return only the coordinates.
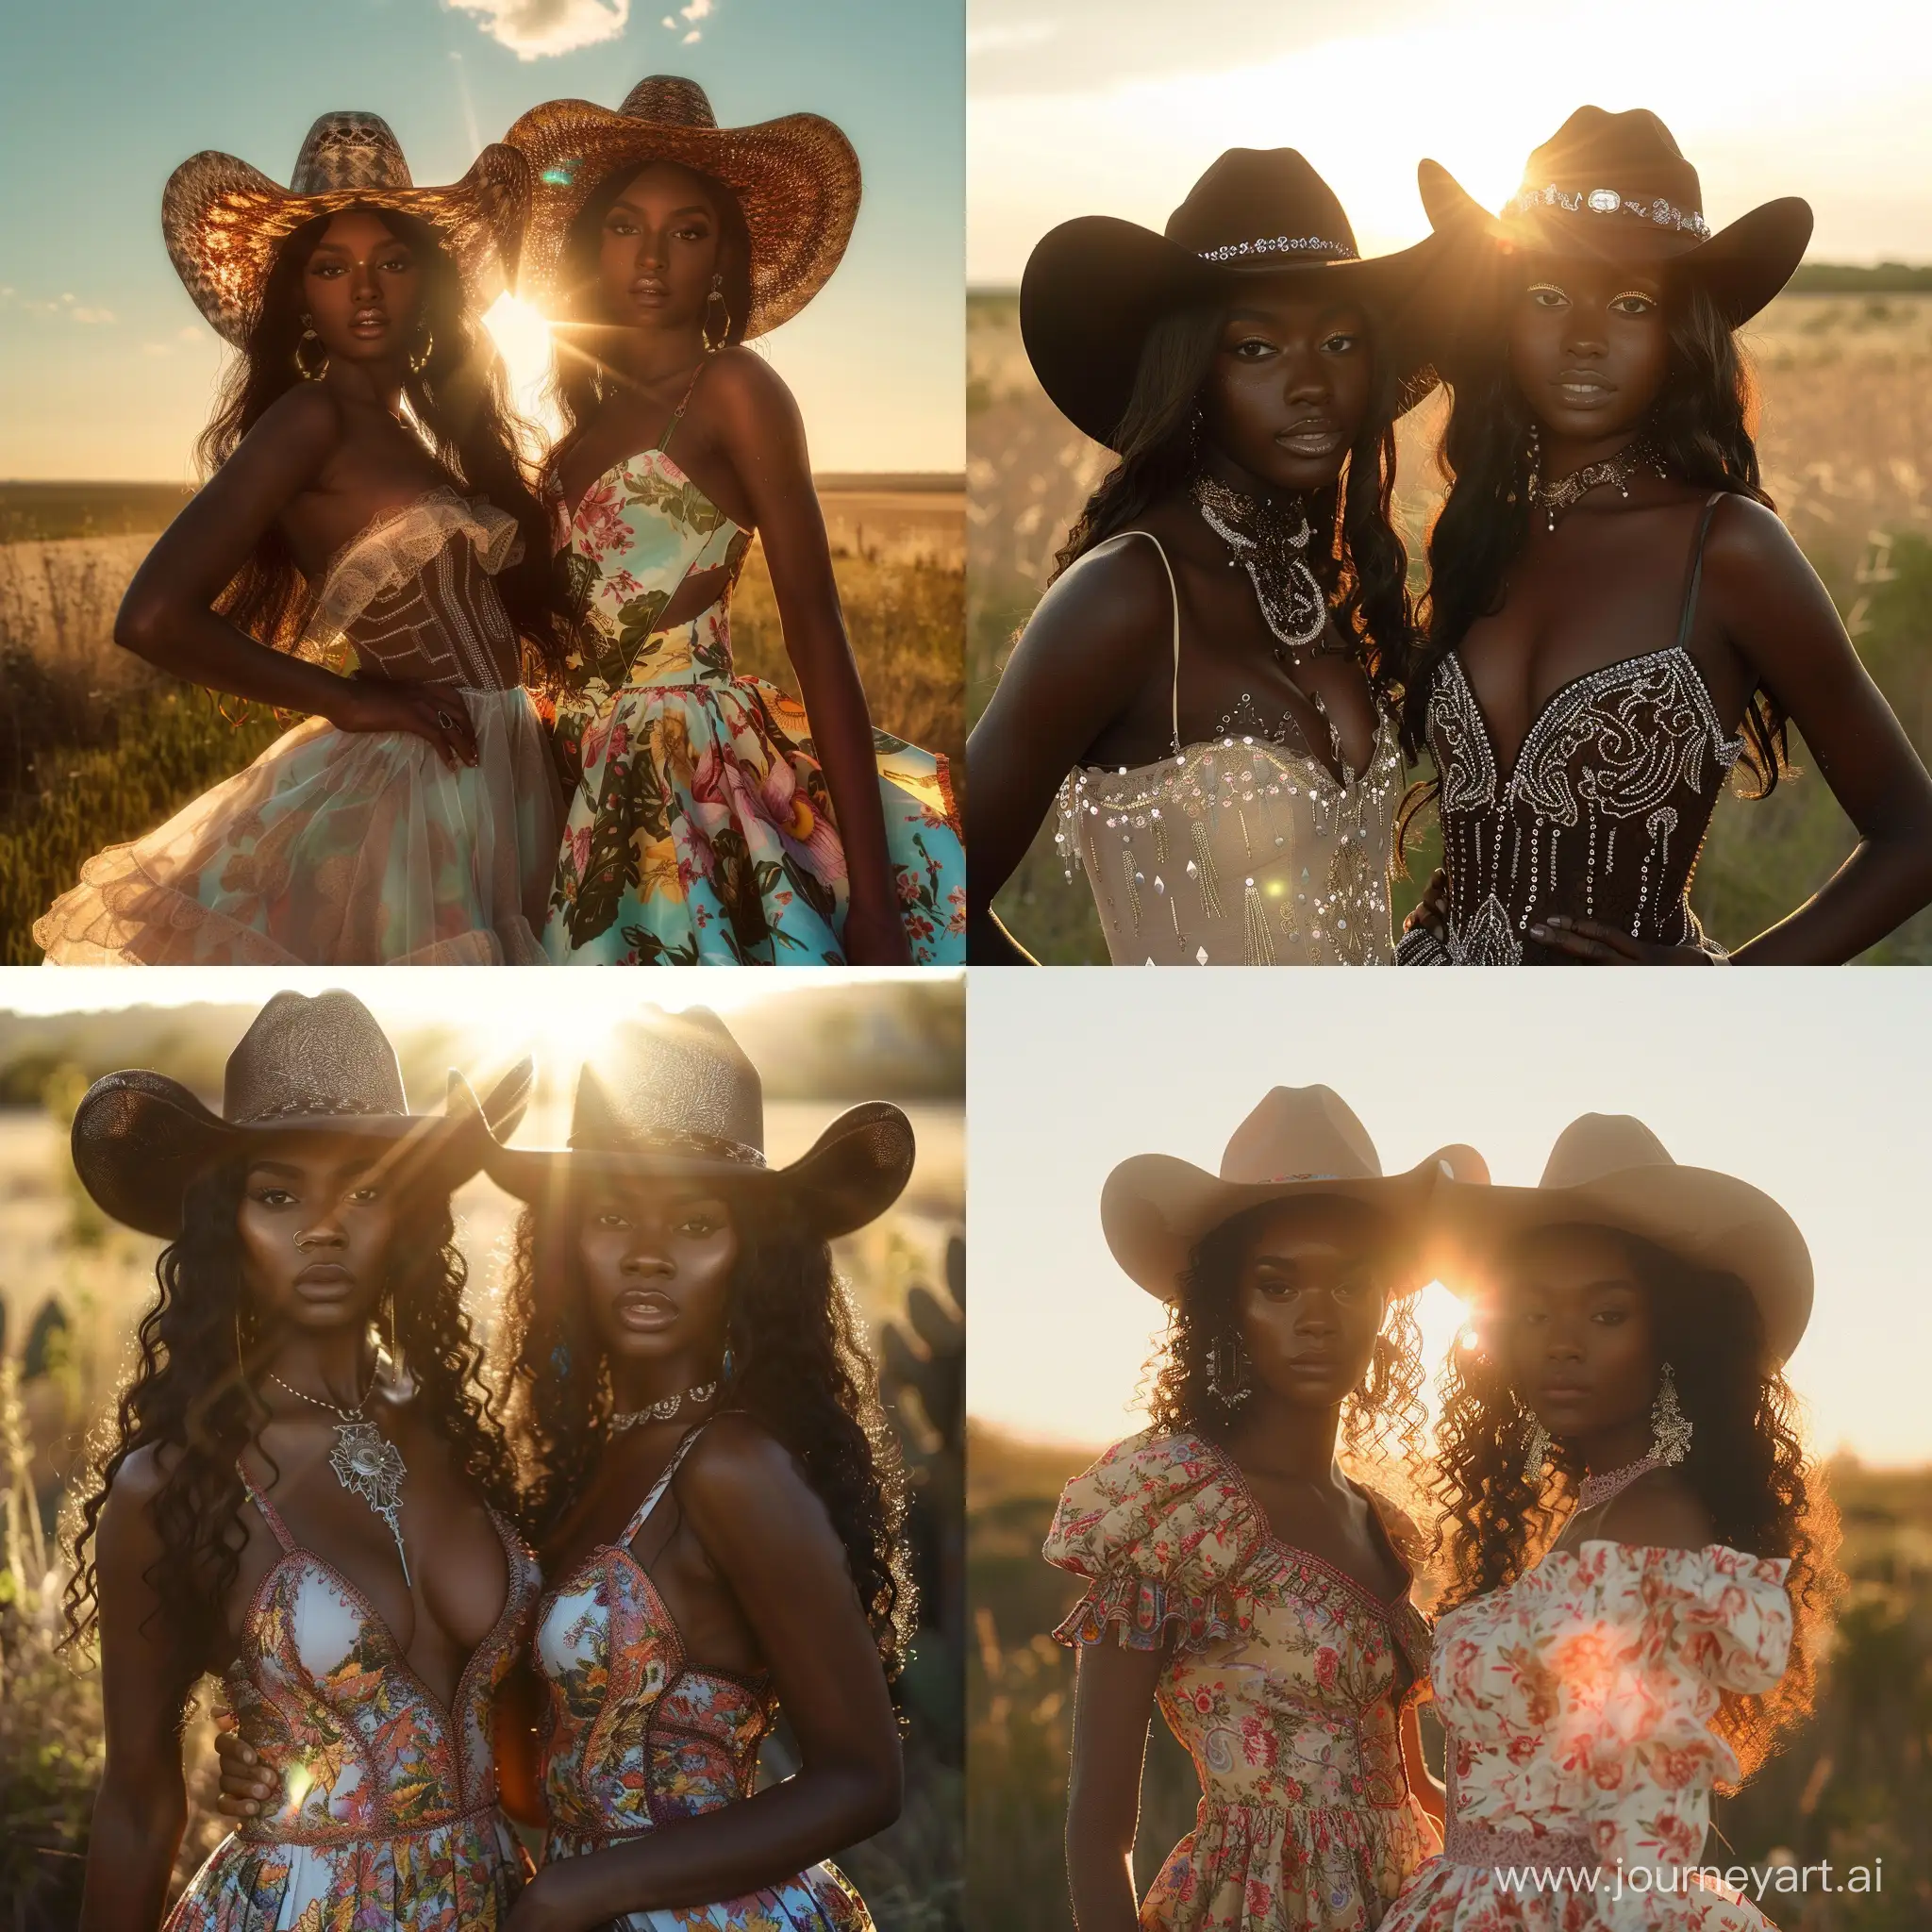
(1428, 1792)
(1113, 1704)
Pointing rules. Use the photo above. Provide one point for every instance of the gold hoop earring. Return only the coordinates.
(420, 360)
(713, 342)
(302, 368)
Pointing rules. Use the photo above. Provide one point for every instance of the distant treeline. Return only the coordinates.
(1888, 278)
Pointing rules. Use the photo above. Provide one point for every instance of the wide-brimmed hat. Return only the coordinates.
(1095, 286)
(1608, 1170)
(304, 1066)
(224, 221)
(675, 1097)
(1617, 187)
(797, 178)
(1299, 1141)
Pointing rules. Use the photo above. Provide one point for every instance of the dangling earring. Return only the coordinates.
(420, 360)
(1228, 1371)
(1536, 460)
(1536, 1451)
(302, 368)
(1194, 428)
(395, 1352)
(1670, 1427)
(726, 1369)
(715, 341)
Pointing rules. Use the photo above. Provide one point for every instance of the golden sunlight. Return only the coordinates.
(521, 331)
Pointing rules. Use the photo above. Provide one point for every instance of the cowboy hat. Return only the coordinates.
(796, 179)
(224, 221)
(1610, 1171)
(304, 1066)
(1300, 1141)
(675, 1097)
(1615, 185)
(1095, 286)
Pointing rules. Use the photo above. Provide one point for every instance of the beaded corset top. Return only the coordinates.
(1601, 816)
(1242, 850)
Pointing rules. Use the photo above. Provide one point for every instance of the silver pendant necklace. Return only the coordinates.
(366, 1463)
(1270, 542)
(662, 1411)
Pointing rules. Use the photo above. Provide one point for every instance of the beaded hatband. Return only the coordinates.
(1281, 245)
(1606, 201)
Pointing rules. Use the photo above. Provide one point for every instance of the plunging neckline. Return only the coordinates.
(623, 466)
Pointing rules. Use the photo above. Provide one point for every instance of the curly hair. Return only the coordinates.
(800, 1370)
(1747, 1465)
(458, 399)
(1382, 1420)
(189, 1398)
(1362, 567)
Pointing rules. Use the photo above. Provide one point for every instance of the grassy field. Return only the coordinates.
(1846, 444)
(95, 749)
(1854, 1786)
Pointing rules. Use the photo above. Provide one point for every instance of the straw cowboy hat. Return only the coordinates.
(304, 1066)
(1615, 186)
(797, 178)
(224, 221)
(675, 1097)
(1608, 1170)
(1095, 286)
(1300, 1141)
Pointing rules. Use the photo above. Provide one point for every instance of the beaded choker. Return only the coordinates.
(1550, 501)
(1598, 1490)
(1270, 542)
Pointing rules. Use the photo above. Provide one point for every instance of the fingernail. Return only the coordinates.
(1538, 932)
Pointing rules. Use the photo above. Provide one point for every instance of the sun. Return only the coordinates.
(521, 331)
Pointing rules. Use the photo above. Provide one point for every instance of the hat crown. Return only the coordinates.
(1262, 195)
(1300, 1133)
(302, 1057)
(1632, 154)
(349, 149)
(1596, 1145)
(671, 100)
(672, 1081)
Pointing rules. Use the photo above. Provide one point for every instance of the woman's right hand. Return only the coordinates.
(434, 711)
(1432, 910)
(247, 1783)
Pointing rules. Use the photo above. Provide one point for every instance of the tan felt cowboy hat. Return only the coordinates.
(1300, 1141)
(796, 179)
(304, 1066)
(1615, 185)
(675, 1097)
(1608, 1170)
(224, 221)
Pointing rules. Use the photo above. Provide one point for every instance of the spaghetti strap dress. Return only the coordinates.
(343, 848)
(638, 1737)
(387, 1816)
(1601, 816)
(700, 827)
(1243, 849)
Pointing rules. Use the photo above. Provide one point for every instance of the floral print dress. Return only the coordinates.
(638, 1737)
(388, 1815)
(701, 829)
(1578, 1703)
(1285, 1679)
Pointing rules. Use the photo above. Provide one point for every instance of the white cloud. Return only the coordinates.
(689, 38)
(532, 29)
(65, 305)
(698, 9)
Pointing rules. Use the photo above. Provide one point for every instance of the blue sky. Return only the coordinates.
(107, 368)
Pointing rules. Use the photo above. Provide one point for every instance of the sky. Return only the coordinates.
(1097, 106)
(106, 369)
(1809, 1084)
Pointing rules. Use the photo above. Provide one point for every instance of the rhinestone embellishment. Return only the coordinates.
(1281, 245)
(1608, 201)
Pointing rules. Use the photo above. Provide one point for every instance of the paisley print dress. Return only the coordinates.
(1285, 1679)
(700, 827)
(637, 1737)
(387, 1814)
(1578, 1703)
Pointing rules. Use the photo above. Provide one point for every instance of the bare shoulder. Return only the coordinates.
(1746, 541)
(1117, 598)
(742, 386)
(305, 421)
(1659, 1511)
(127, 1510)
(737, 1468)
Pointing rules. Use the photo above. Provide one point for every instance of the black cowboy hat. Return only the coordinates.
(1616, 187)
(1095, 286)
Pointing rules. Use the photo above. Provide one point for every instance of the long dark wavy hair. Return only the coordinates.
(1747, 1465)
(1702, 424)
(191, 1401)
(583, 380)
(459, 402)
(1363, 565)
(800, 1370)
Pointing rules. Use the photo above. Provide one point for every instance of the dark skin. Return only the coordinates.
(746, 1560)
(1588, 347)
(1091, 681)
(323, 463)
(741, 442)
(315, 1227)
(1312, 1290)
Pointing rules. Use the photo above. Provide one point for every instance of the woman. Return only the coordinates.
(1616, 616)
(1627, 1386)
(365, 500)
(1210, 683)
(1233, 1573)
(325, 1532)
(710, 822)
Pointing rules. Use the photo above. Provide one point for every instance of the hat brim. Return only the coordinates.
(224, 221)
(1155, 1209)
(1095, 286)
(1742, 266)
(797, 178)
(1713, 1220)
(140, 1141)
(849, 1176)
